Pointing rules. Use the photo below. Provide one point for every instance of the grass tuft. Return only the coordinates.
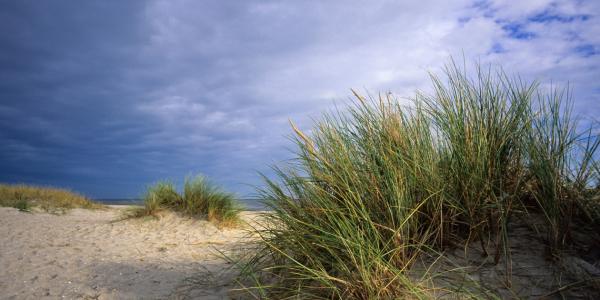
(379, 184)
(49, 199)
(200, 196)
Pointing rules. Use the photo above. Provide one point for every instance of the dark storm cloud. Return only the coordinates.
(105, 97)
(100, 91)
(63, 89)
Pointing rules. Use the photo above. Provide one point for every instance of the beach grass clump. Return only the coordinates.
(379, 183)
(200, 196)
(49, 199)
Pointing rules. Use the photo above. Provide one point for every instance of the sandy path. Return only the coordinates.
(82, 255)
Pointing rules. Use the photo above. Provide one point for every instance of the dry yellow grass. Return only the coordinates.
(50, 199)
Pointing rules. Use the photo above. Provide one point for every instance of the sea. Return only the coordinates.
(248, 203)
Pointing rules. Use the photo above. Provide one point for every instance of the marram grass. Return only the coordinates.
(379, 183)
(50, 199)
(200, 196)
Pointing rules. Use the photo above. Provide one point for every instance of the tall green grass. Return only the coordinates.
(50, 199)
(378, 184)
(200, 196)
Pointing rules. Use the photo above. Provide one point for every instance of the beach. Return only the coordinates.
(92, 254)
(85, 254)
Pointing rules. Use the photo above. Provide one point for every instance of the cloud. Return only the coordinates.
(105, 98)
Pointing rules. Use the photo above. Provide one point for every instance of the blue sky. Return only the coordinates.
(104, 97)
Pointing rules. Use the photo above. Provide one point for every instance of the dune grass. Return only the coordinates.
(201, 196)
(49, 199)
(378, 184)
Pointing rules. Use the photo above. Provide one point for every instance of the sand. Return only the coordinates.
(84, 255)
(529, 274)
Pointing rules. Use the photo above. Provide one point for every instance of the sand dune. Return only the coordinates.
(83, 255)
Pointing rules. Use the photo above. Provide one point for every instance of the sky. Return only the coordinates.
(106, 97)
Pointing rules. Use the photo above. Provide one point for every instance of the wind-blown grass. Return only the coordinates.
(50, 199)
(200, 196)
(379, 184)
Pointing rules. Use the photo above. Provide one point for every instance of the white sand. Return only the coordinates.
(83, 255)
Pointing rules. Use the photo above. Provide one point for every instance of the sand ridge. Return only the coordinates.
(84, 255)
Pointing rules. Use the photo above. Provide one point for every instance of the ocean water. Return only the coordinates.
(249, 204)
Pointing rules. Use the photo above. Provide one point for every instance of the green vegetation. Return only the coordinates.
(378, 185)
(49, 199)
(200, 196)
